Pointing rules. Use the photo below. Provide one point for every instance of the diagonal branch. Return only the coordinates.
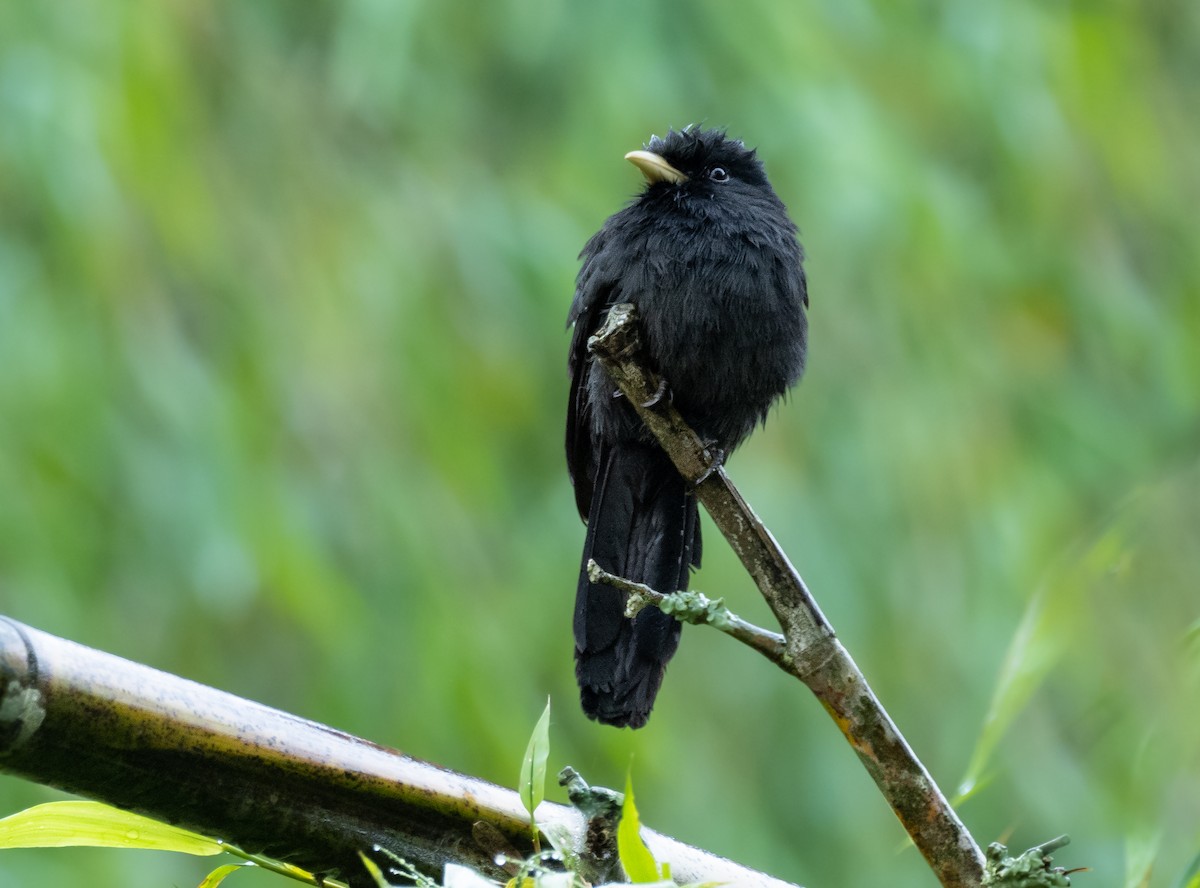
(812, 651)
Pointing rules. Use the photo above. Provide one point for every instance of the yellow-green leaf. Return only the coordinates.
(533, 768)
(373, 870)
(78, 823)
(639, 863)
(1191, 876)
(217, 876)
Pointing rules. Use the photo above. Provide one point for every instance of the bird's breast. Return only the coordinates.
(729, 338)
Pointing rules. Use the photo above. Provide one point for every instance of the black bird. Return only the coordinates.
(710, 258)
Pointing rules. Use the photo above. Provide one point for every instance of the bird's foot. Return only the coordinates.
(716, 459)
(663, 392)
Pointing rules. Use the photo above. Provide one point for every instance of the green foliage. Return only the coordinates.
(1054, 618)
(373, 871)
(80, 824)
(282, 294)
(638, 862)
(1191, 877)
(533, 771)
(1125, 566)
(400, 866)
(90, 824)
(217, 876)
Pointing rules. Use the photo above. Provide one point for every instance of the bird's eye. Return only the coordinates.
(718, 174)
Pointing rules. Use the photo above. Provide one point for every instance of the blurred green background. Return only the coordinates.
(282, 388)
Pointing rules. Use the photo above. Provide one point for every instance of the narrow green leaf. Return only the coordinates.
(1191, 876)
(401, 866)
(1048, 627)
(217, 876)
(636, 858)
(533, 768)
(563, 841)
(283, 869)
(373, 871)
(1141, 850)
(78, 823)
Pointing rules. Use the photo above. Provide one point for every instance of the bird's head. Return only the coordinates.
(703, 163)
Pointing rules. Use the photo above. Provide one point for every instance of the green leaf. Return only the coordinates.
(563, 841)
(373, 871)
(1048, 627)
(640, 865)
(79, 823)
(217, 876)
(1141, 850)
(533, 768)
(1191, 876)
(401, 866)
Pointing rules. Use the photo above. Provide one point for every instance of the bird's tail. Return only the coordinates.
(643, 526)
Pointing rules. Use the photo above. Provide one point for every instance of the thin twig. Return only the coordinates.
(695, 608)
(812, 652)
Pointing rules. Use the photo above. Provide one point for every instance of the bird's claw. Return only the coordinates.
(663, 391)
(716, 460)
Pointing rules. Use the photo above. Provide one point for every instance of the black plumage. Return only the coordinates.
(710, 258)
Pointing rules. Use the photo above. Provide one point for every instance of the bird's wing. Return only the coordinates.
(581, 461)
(594, 294)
